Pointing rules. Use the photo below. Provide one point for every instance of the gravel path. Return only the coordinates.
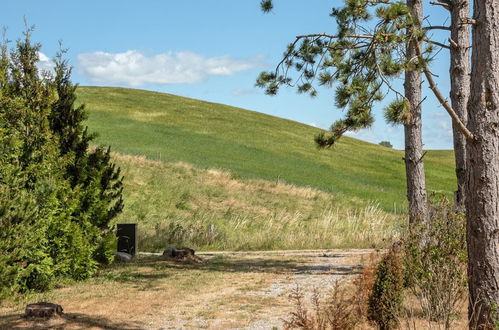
(229, 290)
(319, 270)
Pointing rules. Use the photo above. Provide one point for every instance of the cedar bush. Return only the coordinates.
(56, 196)
(385, 301)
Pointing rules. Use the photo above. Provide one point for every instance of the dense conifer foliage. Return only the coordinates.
(57, 196)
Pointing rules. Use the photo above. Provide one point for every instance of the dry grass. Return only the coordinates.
(227, 290)
(413, 317)
(344, 306)
(179, 204)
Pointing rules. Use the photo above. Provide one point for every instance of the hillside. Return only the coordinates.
(179, 204)
(253, 145)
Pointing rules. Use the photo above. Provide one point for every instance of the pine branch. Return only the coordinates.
(387, 83)
(441, 99)
(318, 35)
(334, 36)
(453, 43)
(437, 27)
(469, 21)
(444, 3)
(436, 43)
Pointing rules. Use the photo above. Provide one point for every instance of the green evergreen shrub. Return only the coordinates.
(104, 253)
(57, 196)
(385, 302)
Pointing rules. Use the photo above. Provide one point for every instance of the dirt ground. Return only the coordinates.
(228, 290)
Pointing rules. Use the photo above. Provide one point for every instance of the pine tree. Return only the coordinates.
(56, 196)
(33, 192)
(359, 62)
(413, 126)
(460, 85)
(459, 72)
(482, 190)
(90, 170)
(478, 129)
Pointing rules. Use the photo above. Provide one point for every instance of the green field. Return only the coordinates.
(252, 145)
(352, 192)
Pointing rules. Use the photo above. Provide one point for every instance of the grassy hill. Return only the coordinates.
(253, 145)
(211, 176)
(179, 204)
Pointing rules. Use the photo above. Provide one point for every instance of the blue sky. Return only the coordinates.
(206, 49)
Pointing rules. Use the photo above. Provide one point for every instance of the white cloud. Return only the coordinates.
(445, 126)
(136, 69)
(45, 63)
(438, 134)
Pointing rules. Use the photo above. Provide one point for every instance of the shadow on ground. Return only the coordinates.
(147, 273)
(236, 264)
(65, 321)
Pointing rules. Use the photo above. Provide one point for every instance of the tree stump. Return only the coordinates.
(43, 310)
(183, 253)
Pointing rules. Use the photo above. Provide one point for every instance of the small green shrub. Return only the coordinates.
(435, 262)
(107, 246)
(494, 315)
(385, 302)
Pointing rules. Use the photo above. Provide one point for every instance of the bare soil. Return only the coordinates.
(228, 290)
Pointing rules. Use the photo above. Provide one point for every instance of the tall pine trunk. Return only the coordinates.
(460, 87)
(482, 193)
(414, 166)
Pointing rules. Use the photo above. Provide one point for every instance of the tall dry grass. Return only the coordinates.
(178, 204)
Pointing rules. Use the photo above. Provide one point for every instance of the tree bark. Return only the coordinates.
(414, 165)
(482, 189)
(460, 87)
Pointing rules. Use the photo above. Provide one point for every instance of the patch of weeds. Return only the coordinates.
(125, 276)
(182, 204)
(160, 266)
(218, 258)
(386, 298)
(181, 233)
(435, 262)
(147, 286)
(206, 314)
(343, 308)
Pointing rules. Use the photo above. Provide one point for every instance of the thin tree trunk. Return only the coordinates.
(482, 193)
(414, 166)
(460, 87)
